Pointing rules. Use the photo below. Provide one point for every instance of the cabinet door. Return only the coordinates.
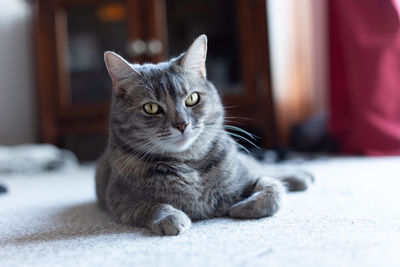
(84, 30)
(237, 58)
(71, 37)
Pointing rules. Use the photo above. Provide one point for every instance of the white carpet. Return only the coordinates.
(350, 217)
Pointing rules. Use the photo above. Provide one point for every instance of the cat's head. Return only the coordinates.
(164, 107)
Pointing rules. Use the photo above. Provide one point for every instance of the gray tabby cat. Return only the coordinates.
(169, 159)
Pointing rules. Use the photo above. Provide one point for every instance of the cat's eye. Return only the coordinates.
(192, 99)
(152, 108)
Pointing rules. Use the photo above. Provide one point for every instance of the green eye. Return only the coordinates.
(152, 108)
(192, 100)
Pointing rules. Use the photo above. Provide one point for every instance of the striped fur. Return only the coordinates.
(145, 179)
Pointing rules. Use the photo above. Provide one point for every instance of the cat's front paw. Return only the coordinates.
(172, 223)
(260, 204)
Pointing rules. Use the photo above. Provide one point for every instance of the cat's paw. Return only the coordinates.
(173, 223)
(261, 204)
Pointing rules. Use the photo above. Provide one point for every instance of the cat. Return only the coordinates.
(169, 160)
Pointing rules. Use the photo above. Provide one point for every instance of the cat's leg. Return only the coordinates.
(265, 200)
(103, 173)
(161, 219)
(166, 220)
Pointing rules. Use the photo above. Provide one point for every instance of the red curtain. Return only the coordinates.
(365, 75)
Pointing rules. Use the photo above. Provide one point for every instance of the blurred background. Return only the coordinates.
(303, 75)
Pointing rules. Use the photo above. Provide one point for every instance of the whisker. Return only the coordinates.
(232, 134)
(235, 122)
(244, 139)
(239, 118)
(230, 107)
(245, 149)
(234, 128)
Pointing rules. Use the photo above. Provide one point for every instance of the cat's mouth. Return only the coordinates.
(182, 141)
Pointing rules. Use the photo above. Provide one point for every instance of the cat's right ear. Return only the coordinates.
(118, 69)
(194, 60)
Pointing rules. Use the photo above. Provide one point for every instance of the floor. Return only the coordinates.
(350, 217)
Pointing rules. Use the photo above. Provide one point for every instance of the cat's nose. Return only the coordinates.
(181, 126)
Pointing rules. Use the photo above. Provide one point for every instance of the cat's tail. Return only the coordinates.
(2, 189)
(298, 181)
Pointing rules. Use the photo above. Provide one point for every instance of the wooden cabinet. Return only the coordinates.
(71, 36)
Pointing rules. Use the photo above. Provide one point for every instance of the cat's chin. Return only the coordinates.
(180, 145)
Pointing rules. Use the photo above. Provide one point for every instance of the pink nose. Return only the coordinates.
(181, 126)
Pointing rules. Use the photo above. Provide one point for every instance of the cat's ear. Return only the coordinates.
(118, 69)
(194, 59)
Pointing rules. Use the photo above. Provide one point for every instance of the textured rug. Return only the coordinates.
(350, 217)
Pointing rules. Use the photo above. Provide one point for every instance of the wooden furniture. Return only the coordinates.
(71, 36)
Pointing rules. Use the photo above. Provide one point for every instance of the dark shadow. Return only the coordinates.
(84, 220)
(78, 221)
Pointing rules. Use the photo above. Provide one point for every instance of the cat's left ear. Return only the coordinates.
(194, 60)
